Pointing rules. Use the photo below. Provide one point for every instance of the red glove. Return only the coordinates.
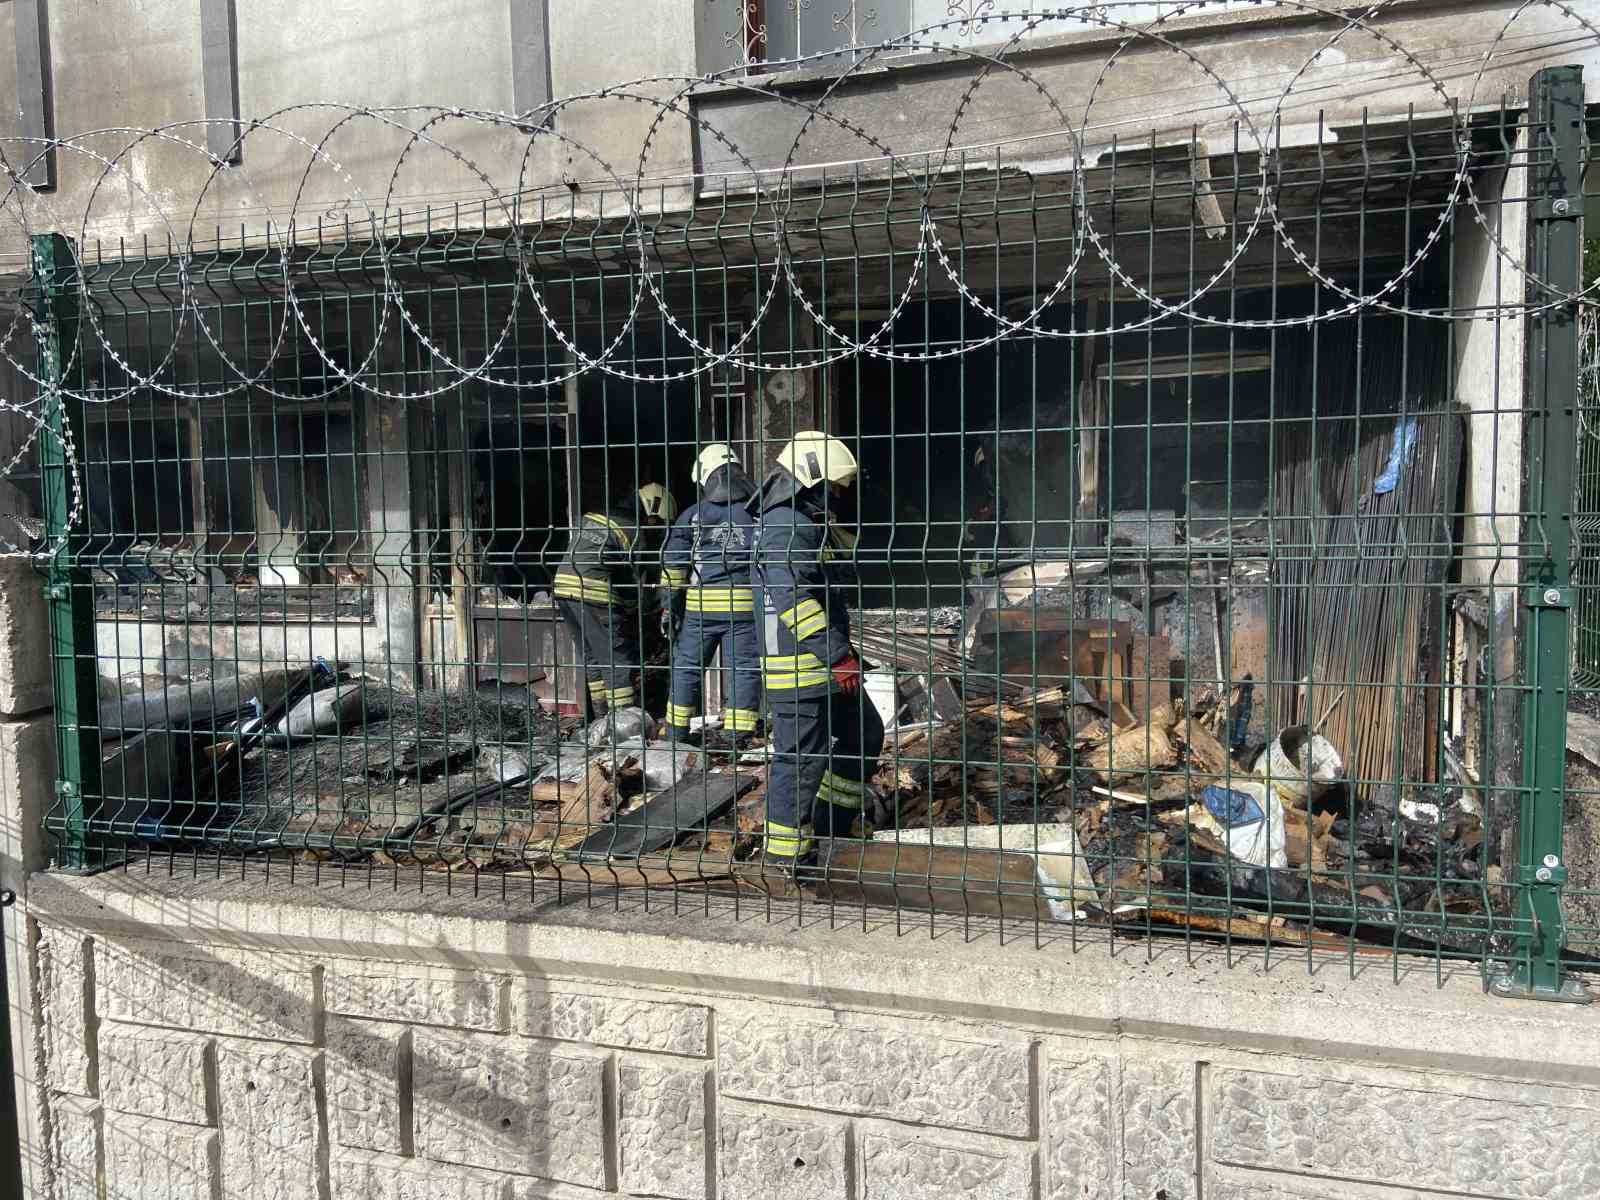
(847, 674)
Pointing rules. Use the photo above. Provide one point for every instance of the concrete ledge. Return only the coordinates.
(817, 73)
(1326, 1008)
(359, 1038)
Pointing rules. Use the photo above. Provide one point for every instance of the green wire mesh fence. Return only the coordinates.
(1586, 510)
(1177, 558)
(1581, 770)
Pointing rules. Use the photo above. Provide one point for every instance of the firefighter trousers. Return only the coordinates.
(701, 635)
(608, 639)
(824, 748)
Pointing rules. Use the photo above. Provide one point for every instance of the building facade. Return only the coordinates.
(1205, 325)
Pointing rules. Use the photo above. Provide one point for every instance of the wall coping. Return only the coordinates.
(1103, 987)
(818, 72)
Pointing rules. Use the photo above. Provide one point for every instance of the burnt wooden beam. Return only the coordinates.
(530, 54)
(219, 71)
(689, 806)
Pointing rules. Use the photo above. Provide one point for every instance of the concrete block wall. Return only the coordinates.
(27, 775)
(220, 1041)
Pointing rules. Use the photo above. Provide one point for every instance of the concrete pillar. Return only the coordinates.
(389, 520)
(786, 400)
(279, 544)
(1490, 354)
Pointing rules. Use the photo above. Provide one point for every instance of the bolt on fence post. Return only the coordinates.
(69, 587)
(1554, 259)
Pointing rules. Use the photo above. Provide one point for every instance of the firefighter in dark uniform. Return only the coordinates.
(706, 567)
(984, 530)
(602, 585)
(826, 735)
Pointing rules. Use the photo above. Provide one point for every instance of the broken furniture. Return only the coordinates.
(1044, 648)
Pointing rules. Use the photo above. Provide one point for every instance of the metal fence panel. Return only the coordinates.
(1180, 566)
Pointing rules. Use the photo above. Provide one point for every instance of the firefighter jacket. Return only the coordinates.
(839, 555)
(608, 561)
(708, 551)
(805, 626)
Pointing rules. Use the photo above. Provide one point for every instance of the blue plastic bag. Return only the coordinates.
(1405, 441)
(1231, 807)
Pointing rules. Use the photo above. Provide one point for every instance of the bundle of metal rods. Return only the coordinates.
(910, 653)
(1363, 539)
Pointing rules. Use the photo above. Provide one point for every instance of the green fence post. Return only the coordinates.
(1555, 262)
(68, 585)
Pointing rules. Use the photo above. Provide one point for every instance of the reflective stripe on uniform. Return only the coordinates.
(805, 619)
(793, 681)
(674, 577)
(785, 841)
(839, 791)
(786, 672)
(740, 720)
(804, 661)
(596, 686)
(680, 714)
(584, 590)
(619, 697)
(720, 600)
(622, 534)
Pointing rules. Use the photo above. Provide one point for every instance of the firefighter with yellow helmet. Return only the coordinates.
(706, 566)
(826, 735)
(604, 582)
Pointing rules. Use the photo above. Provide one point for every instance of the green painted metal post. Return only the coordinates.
(68, 585)
(1555, 263)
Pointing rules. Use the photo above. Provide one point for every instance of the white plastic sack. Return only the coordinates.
(883, 690)
(1252, 816)
(661, 763)
(1291, 773)
(1064, 877)
(630, 723)
(326, 711)
(503, 763)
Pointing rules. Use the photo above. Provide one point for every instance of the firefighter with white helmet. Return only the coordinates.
(706, 567)
(826, 735)
(604, 582)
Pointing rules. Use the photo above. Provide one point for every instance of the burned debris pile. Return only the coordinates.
(1149, 819)
(314, 758)
(1052, 762)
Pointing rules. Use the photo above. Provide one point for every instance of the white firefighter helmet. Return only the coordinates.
(717, 454)
(814, 458)
(655, 501)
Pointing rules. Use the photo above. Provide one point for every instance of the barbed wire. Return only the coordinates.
(779, 268)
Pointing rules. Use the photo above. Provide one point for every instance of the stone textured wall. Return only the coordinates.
(214, 1069)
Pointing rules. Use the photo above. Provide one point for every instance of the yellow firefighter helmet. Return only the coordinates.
(655, 501)
(717, 454)
(814, 458)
